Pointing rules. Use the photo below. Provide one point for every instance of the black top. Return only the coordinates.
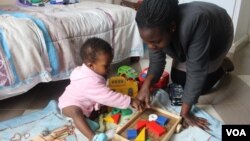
(202, 35)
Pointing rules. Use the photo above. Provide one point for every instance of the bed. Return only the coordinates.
(41, 44)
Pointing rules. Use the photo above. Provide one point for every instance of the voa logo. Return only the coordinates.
(236, 132)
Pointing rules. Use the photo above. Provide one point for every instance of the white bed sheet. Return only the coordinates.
(52, 51)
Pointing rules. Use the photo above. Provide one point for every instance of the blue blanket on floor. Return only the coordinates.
(161, 99)
(25, 128)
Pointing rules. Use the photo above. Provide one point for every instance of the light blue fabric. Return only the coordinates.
(52, 53)
(92, 124)
(49, 119)
(161, 99)
(100, 137)
(28, 126)
(8, 55)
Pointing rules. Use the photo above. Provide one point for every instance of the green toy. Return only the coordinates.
(115, 111)
(36, 1)
(128, 72)
(126, 112)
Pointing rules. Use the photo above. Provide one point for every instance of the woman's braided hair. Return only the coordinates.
(156, 13)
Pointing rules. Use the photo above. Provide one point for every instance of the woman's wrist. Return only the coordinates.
(147, 82)
(185, 109)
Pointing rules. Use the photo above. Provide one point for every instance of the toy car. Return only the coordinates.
(128, 72)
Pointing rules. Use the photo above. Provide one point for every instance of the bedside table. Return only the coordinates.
(134, 5)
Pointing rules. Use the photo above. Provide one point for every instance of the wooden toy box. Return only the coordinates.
(171, 126)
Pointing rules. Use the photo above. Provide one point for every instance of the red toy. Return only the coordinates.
(116, 118)
(161, 83)
(156, 128)
(141, 124)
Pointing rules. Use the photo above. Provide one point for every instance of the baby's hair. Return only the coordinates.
(94, 47)
(156, 13)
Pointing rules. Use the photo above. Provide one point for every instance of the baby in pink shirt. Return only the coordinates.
(87, 90)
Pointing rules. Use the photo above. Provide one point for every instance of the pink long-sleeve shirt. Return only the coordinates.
(88, 91)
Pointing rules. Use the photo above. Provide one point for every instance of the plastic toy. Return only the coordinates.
(32, 2)
(128, 72)
(116, 118)
(108, 119)
(161, 83)
(126, 112)
(122, 85)
(116, 110)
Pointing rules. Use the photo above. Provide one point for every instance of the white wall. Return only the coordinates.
(249, 31)
(242, 21)
(117, 2)
(226, 4)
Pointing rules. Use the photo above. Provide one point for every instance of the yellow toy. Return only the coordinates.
(141, 136)
(108, 119)
(122, 85)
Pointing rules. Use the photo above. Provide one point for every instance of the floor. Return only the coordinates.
(229, 103)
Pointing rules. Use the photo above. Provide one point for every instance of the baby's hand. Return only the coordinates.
(137, 104)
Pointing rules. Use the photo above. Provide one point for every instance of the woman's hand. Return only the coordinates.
(144, 96)
(144, 93)
(191, 120)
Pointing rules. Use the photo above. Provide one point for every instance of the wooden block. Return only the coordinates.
(141, 124)
(116, 118)
(156, 128)
(131, 134)
(142, 135)
(152, 117)
(162, 120)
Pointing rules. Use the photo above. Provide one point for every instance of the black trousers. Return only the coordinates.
(179, 77)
